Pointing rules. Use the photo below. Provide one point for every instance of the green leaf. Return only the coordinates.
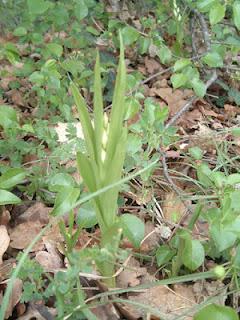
(223, 239)
(85, 120)
(218, 178)
(37, 7)
(20, 31)
(213, 59)
(196, 153)
(37, 77)
(203, 174)
(236, 13)
(133, 229)
(205, 5)
(216, 312)
(60, 181)
(86, 216)
(65, 201)
(7, 197)
(164, 254)
(193, 254)
(217, 13)
(130, 35)
(11, 178)
(178, 80)
(199, 87)
(165, 54)
(180, 64)
(80, 10)
(55, 49)
(8, 117)
(233, 179)
(98, 112)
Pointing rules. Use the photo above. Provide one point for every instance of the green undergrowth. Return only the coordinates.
(66, 61)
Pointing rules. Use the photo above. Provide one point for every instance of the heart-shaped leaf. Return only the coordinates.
(133, 228)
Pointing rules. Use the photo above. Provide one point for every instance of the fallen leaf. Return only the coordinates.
(132, 274)
(14, 298)
(152, 65)
(173, 208)
(37, 212)
(170, 303)
(4, 241)
(23, 234)
(50, 259)
(6, 268)
(17, 98)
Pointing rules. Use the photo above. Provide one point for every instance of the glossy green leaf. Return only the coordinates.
(216, 312)
(37, 7)
(133, 228)
(165, 54)
(60, 181)
(8, 117)
(164, 254)
(86, 216)
(222, 238)
(193, 254)
(130, 35)
(55, 49)
(205, 5)
(180, 64)
(65, 201)
(196, 153)
(20, 31)
(178, 80)
(11, 178)
(80, 10)
(233, 179)
(7, 197)
(236, 13)
(217, 13)
(199, 87)
(213, 59)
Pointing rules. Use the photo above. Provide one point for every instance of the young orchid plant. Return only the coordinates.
(102, 164)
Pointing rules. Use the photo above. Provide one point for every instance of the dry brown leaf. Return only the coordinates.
(151, 238)
(50, 259)
(152, 65)
(33, 313)
(38, 212)
(17, 98)
(23, 234)
(6, 268)
(4, 217)
(170, 303)
(173, 207)
(14, 298)
(4, 241)
(132, 275)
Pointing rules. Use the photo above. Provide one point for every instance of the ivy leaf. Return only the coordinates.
(205, 5)
(178, 80)
(223, 238)
(180, 64)
(217, 13)
(37, 7)
(8, 117)
(7, 197)
(216, 312)
(236, 13)
(55, 49)
(80, 10)
(129, 35)
(165, 55)
(213, 59)
(199, 87)
(133, 228)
